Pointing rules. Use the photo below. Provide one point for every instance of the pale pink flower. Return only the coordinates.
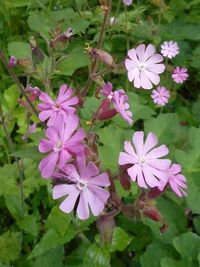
(62, 142)
(176, 181)
(64, 105)
(144, 66)
(85, 185)
(147, 167)
(160, 96)
(169, 49)
(119, 100)
(127, 2)
(122, 107)
(180, 74)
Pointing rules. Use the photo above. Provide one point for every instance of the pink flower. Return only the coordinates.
(85, 185)
(62, 142)
(180, 75)
(143, 66)
(63, 105)
(121, 106)
(169, 49)
(176, 181)
(160, 96)
(147, 167)
(119, 100)
(127, 2)
(12, 62)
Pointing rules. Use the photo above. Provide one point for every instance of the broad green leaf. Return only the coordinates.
(111, 141)
(17, 3)
(166, 127)
(52, 258)
(11, 96)
(97, 256)
(58, 220)
(9, 246)
(19, 49)
(75, 259)
(169, 262)
(29, 153)
(188, 245)
(120, 240)
(76, 59)
(13, 203)
(153, 254)
(29, 224)
(8, 177)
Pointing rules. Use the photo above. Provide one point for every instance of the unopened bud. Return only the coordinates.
(60, 41)
(153, 214)
(124, 179)
(25, 63)
(101, 55)
(12, 62)
(106, 115)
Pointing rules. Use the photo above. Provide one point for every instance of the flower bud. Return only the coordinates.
(106, 224)
(60, 41)
(153, 214)
(37, 53)
(101, 56)
(12, 62)
(106, 115)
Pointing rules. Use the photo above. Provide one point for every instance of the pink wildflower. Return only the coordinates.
(169, 49)
(86, 185)
(180, 74)
(160, 96)
(63, 105)
(119, 100)
(122, 106)
(62, 142)
(176, 181)
(127, 2)
(147, 167)
(144, 67)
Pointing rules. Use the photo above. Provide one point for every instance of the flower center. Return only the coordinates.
(56, 106)
(82, 184)
(58, 145)
(141, 66)
(141, 161)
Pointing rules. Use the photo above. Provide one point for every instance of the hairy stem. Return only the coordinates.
(99, 44)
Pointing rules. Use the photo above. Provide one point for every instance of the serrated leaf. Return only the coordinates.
(9, 246)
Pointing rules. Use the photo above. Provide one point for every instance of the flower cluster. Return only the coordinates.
(64, 142)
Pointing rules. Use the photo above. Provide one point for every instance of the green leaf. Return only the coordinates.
(97, 256)
(9, 246)
(19, 49)
(112, 139)
(169, 262)
(11, 96)
(13, 204)
(153, 254)
(188, 245)
(166, 127)
(29, 224)
(8, 179)
(58, 220)
(139, 110)
(75, 60)
(29, 153)
(51, 240)
(17, 3)
(52, 258)
(120, 240)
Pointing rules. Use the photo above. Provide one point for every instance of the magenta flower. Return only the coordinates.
(62, 142)
(180, 75)
(169, 49)
(12, 62)
(176, 181)
(127, 2)
(144, 67)
(160, 96)
(147, 167)
(119, 100)
(85, 185)
(63, 105)
(121, 106)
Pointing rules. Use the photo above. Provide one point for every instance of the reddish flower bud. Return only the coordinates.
(124, 179)
(105, 115)
(155, 192)
(153, 214)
